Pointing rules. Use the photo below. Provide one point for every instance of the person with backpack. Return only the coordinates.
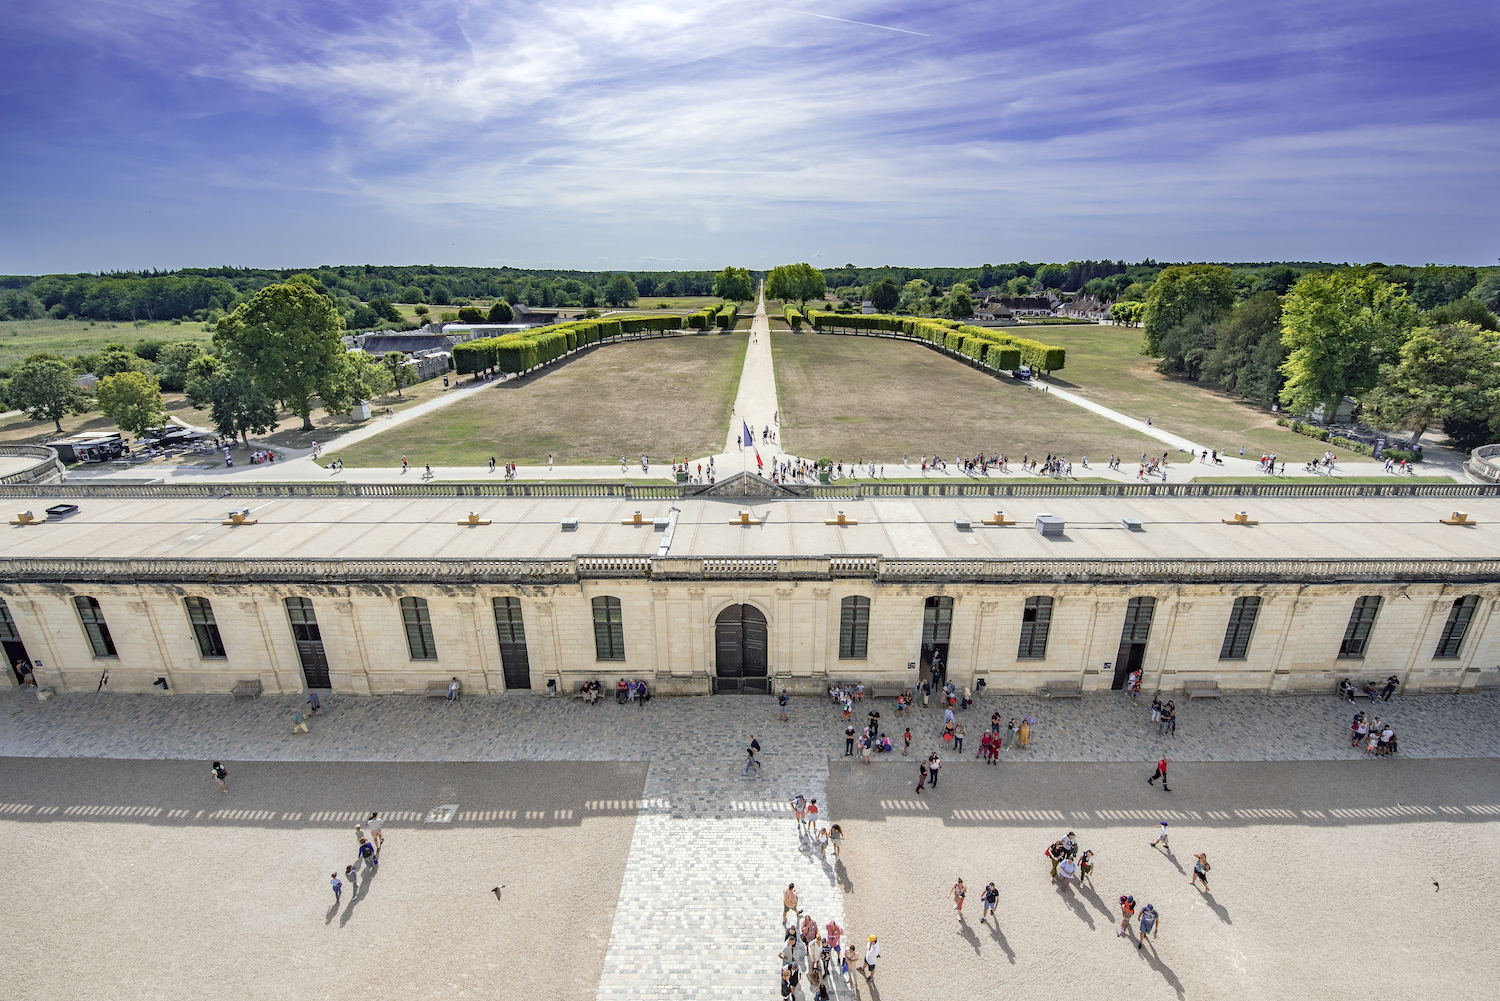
(1200, 871)
(220, 774)
(990, 898)
(782, 700)
(1127, 911)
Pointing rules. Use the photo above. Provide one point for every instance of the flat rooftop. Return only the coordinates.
(894, 528)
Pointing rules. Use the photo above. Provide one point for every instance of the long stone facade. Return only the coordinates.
(671, 635)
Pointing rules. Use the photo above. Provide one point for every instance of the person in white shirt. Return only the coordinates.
(871, 955)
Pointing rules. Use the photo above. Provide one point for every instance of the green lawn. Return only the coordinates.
(1105, 365)
(667, 397)
(19, 339)
(849, 398)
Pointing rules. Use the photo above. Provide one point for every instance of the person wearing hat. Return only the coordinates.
(871, 955)
(1127, 911)
(1150, 923)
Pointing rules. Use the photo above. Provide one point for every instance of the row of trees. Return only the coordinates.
(1349, 332)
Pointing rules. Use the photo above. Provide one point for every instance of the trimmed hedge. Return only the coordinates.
(638, 324)
(986, 345)
(793, 317)
(729, 315)
(704, 319)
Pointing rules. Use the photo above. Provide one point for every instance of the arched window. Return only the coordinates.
(1357, 632)
(418, 623)
(94, 626)
(205, 628)
(1457, 626)
(609, 630)
(1036, 623)
(1241, 625)
(854, 628)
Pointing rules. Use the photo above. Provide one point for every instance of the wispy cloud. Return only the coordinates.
(702, 132)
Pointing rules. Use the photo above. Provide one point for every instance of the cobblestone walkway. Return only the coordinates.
(698, 912)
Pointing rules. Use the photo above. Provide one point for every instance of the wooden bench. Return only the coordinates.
(439, 689)
(1062, 690)
(885, 691)
(247, 688)
(1202, 689)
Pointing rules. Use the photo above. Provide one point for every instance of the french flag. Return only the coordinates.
(750, 440)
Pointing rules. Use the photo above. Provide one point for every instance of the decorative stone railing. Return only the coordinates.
(47, 469)
(843, 490)
(1484, 463)
(571, 570)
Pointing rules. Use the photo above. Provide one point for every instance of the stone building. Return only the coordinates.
(380, 590)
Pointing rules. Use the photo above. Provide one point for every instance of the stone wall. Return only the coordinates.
(670, 636)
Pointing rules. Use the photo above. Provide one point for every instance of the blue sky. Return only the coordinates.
(141, 133)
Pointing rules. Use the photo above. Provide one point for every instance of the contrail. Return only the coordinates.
(867, 24)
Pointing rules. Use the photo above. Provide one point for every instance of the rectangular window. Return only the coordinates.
(1459, 617)
(1036, 622)
(205, 629)
(1357, 633)
(7, 625)
(854, 628)
(418, 625)
(609, 629)
(1241, 625)
(94, 626)
(508, 620)
(304, 620)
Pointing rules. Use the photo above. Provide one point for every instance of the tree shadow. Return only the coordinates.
(968, 933)
(1173, 859)
(1153, 958)
(999, 937)
(1216, 907)
(1093, 898)
(1076, 906)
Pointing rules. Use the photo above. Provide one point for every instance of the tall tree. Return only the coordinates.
(132, 400)
(1205, 290)
(287, 338)
(885, 294)
(43, 387)
(1338, 328)
(1445, 374)
(402, 373)
(501, 312)
(235, 406)
(799, 282)
(620, 291)
(173, 361)
(734, 284)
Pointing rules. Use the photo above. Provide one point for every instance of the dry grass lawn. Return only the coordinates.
(868, 397)
(1105, 365)
(665, 397)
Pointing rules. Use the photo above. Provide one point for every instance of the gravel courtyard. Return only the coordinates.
(1322, 879)
(142, 879)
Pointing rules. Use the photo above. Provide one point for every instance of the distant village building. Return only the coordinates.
(1085, 307)
(1031, 305)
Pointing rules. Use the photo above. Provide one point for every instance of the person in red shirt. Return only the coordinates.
(1161, 773)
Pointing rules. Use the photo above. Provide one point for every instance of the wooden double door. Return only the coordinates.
(741, 662)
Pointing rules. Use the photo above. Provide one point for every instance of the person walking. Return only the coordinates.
(1086, 868)
(935, 767)
(1200, 871)
(1156, 712)
(373, 825)
(789, 906)
(906, 742)
(750, 761)
(864, 747)
(1169, 718)
(812, 818)
(872, 953)
(316, 705)
(836, 838)
(338, 888)
(1127, 911)
(990, 898)
(1161, 838)
(849, 740)
(1056, 853)
(1067, 869)
(782, 700)
(353, 878)
(1150, 925)
(799, 808)
(1161, 773)
(957, 894)
(958, 737)
(299, 721)
(220, 774)
(922, 775)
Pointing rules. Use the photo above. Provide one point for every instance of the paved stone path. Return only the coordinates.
(697, 915)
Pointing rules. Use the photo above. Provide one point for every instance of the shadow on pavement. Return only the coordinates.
(999, 937)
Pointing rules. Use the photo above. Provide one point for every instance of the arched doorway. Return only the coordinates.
(937, 625)
(740, 650)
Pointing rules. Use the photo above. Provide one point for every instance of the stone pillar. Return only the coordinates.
(48, 672)
(282, 679)
(479, 677)
(352, 640)
(781, 627)
(661, 635)
(1468, 678)
(143, 609)
(820, 656)
(1281, 672)
(699, 610)
(1409, 683)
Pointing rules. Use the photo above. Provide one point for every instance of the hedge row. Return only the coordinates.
(704, 319)
(985, 345)
(729, 315)
(637, 324)
(527, 349)
(793, 317)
